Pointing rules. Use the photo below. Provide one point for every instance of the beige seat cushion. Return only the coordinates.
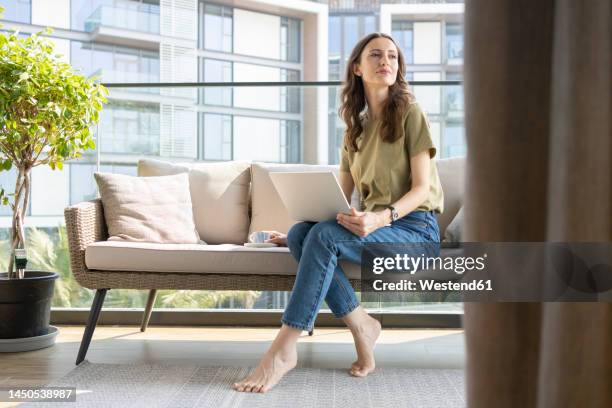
(226, 258)
(219, 194)
(268, 211)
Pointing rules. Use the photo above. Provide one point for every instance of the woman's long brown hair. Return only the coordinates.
(353, 99)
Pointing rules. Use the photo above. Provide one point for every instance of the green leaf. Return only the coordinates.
(6, 164)
(39, 94)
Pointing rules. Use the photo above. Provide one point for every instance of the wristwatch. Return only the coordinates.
(394, 214)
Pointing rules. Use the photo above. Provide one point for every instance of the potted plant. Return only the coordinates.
(46, 112)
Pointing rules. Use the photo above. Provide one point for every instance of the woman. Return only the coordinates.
(386, 154)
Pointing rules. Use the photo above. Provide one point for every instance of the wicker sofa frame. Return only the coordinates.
(85, 224)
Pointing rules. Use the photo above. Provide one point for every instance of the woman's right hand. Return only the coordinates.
(277, 238)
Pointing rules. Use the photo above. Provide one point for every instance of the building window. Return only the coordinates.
(334, 70)
(82, 182)
(428, 96)
(351, 34)
(115, 63)
(216, 136)
(148, 66)
(335, 126)
(369, 25)
(19, 11)
(335, 36)
(135, 15)
(290, 95)
(290, 146)
(216, 71)
(335, 48)
(403, 33)
(290, 39)
(344, 33)
(454, 141)
(216, 27)
(130, 128)
(454, 44)
(454, 95)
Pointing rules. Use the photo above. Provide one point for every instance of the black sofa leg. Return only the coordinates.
(148, 309)
(92, 321)
(310, 333)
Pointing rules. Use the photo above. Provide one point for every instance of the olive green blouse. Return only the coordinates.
(381, 170)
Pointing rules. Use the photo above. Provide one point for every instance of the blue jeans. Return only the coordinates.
(319, 246)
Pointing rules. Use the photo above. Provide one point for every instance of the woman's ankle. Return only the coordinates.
(286, 339)
(357, 319)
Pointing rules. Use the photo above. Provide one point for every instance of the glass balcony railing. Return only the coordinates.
(127, 15)
(18, 11)
(143, 144)
(111, 76)
(116, 76)
(259, 122)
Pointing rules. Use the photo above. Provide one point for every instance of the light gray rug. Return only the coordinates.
(174, 385)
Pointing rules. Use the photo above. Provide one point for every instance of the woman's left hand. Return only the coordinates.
(360, 223)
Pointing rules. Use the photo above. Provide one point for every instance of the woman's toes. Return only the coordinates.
(253, 387)
(360, 374)
(243, 385)
(269, 372)
(360, 371)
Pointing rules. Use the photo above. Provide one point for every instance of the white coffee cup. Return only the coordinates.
(259, 237)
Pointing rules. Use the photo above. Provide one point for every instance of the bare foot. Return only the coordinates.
(272, 367)
(365, 337)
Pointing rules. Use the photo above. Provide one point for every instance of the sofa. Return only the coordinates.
(241, 198)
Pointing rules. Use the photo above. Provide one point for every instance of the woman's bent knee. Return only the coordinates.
(328, 230)
(297, 233)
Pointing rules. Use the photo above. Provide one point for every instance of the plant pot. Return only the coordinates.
(25, 304)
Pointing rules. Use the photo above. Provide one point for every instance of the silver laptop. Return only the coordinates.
(310, 196)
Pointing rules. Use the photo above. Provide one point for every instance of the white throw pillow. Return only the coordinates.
(268, 210)
(219, 195)
(155, 209)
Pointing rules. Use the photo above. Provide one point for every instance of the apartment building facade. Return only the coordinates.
(169, 41)
(152, 41)
(184, 41)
